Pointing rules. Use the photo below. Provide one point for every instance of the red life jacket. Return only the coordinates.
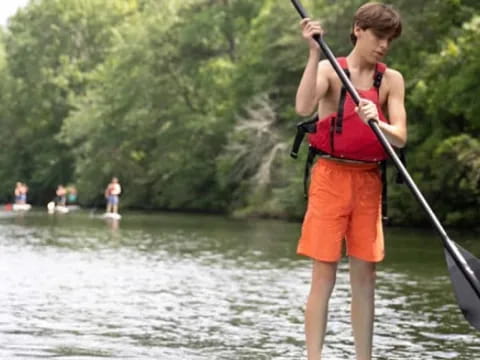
(343, 134)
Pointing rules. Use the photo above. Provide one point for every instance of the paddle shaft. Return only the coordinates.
(448, 244)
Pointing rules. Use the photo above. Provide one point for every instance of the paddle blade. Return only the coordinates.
(467, 298)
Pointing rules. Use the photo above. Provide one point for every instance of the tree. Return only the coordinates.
(51, 47)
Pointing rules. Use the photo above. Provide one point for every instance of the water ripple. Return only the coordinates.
(172, 292)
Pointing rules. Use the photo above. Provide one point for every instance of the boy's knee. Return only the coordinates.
(322, 284)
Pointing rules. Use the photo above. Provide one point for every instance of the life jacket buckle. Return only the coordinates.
(308, 126)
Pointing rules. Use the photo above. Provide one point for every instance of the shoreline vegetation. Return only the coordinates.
(190, 105)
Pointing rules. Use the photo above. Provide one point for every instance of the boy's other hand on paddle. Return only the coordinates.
(367, 110)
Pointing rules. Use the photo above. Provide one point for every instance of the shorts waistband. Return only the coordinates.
(343, 165)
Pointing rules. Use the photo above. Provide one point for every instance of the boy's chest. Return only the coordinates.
(364, 86)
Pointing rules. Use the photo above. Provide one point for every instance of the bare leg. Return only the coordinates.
(316, 312)
(109, 206)
(115, 208)
(362, 280)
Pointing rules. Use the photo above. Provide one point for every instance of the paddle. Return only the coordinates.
(463, 267)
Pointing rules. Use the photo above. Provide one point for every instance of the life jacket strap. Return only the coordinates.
(399, 180)
(312, 152)
(383, 169)
(341, 107)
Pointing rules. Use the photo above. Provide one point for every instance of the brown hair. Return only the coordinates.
(381, 18)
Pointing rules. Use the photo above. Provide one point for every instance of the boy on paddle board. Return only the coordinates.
(112, 193)
(344, 199)
(20, 193)
(61, 198)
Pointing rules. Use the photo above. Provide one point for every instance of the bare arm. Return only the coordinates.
(314, 83)
(313, 86)
(396, 130)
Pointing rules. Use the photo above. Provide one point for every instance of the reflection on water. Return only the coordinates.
(204, 287)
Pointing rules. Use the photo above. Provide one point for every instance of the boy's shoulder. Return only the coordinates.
(326, 69)
(393, 72)
(393, 77)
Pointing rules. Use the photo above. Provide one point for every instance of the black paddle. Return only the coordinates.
(463, 267)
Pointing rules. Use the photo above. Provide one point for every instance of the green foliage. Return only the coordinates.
(51, 47)
(190, 103)
(161, 105)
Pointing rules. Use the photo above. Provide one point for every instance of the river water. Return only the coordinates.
(176, 286)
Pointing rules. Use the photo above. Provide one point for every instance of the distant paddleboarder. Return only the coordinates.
(20, 196)
(61, 192)
(20, 193)
(112, 193)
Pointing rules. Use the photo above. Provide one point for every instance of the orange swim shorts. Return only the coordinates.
(344, 202)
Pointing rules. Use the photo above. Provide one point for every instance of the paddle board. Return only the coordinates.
(113, 216)
(52, 208)
(21, 207)
(61, 209)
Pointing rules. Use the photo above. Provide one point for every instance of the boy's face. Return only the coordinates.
(373, 45)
